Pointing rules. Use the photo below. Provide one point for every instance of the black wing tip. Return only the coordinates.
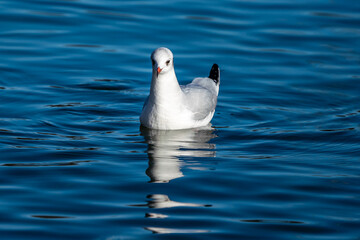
(215, 73)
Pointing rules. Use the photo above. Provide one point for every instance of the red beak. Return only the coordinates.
(159, 70)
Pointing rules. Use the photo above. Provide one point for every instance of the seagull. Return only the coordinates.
(171, 106)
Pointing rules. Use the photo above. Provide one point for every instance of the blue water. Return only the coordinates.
(283, 159)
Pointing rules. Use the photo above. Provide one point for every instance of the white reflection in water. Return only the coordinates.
(166, 147)
(165, 150)
(174, 230)
(163, 201)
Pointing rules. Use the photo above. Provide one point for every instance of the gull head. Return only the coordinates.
(162, 61)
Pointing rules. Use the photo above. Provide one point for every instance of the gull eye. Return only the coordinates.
(167, 62)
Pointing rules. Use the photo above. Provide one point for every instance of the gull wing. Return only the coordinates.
(201, 97)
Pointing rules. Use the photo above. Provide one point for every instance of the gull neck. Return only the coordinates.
(164, 87)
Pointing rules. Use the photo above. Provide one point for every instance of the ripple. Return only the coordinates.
(71, 105)
(110, 13)
(48, 164)
(174, 230)
(102, 85)
(163, 201)
(50, 217)
(328, 14)
(203, 18)
(156, 215)
(51, 14)
(337, 130)
(271, 221)
(82, 46)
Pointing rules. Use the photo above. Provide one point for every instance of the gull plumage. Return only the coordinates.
(171, 106)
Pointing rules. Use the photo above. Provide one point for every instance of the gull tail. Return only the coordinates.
(215, 73)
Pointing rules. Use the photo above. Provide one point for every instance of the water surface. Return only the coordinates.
(282, 158)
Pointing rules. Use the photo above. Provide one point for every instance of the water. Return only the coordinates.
(283, 158)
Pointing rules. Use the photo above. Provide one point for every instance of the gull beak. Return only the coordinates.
(159, 70)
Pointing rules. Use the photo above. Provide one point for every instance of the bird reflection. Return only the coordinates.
(166, 146)
(174, 230)
(163, 201)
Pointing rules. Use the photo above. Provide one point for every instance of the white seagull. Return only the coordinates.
(171, 106)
